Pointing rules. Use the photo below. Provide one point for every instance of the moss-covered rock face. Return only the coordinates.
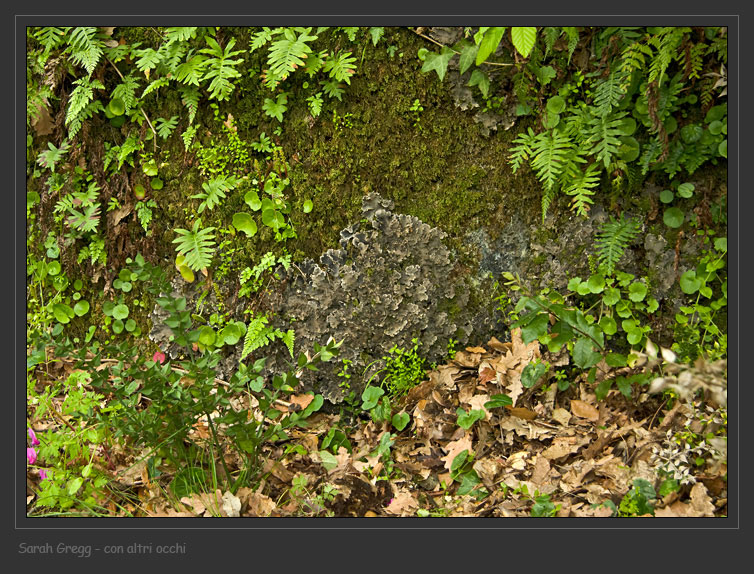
(386, 285)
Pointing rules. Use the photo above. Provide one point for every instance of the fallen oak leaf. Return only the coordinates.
(456, 447)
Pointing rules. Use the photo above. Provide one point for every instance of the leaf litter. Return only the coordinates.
(581, 453)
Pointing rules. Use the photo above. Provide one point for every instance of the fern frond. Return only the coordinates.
(580, 186)
(50, 37)
(190, 99)
(652, 151)
(197, 245)
(666, 44)
(634, 57)
(549, 153)
(165, 127)
(179, 34)
(155, 85)
(287, 54)
(605, 133)
(341, 68)
(288, 339)
(85, 47)
(147, 59)
(126, 91)
(550, 34)
(214, 191)
(547, 197)
(221, 67)
(171, 55)
(521, 150)
(257, 335)
(259, 39)
(192, 70)
(573, 39)
(608, 93)
(612, 240)
(80, 104)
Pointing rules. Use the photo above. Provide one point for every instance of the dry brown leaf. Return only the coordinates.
(514, 387)
(444, 377)
(42, 122)
(480, 350)
(456, 447)
(521, 413)
(278, 470)
(255, 503)
(344, 462)
(564, 445)
(517, 460)
(562, 416)
(499, 346)
(302, 400)
(487, 374)
(404, 504)
(466, 359)
(584, 410)
(541, 470)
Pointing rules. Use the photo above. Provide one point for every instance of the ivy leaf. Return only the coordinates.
(490, 42)
(468, 55)
(438, 62)
(523, 38)
(479, 78)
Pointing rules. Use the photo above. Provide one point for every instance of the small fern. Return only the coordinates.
(287, 54)
(550, 151)
(612, 239)
(190, 98)
(165, 127)
(192, 70)
(581, 186)
(80, 104)
(85, 47)
(608, 93)
(221, 68)
(604, 135)
(341, 68)
(257, 335)
(214, 191)
(126, 91)
(197, 245)
(521, 150)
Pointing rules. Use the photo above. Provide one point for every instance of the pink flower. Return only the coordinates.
(159, 357)
(33, 437)
(42, 474)
(31, 455)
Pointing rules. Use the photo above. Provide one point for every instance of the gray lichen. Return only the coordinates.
(387, 284)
